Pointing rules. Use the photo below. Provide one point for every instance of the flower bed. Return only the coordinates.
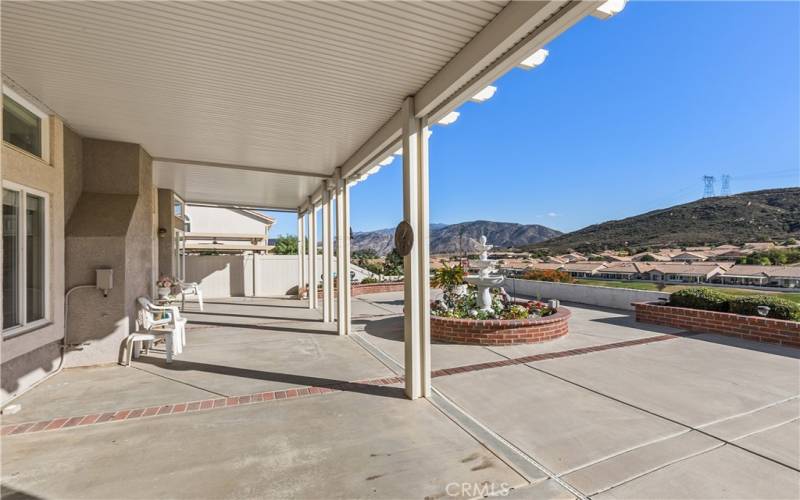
(500, 331)
(775, 331)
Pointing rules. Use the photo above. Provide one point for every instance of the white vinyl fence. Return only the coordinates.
(245, 275)
(616, 298)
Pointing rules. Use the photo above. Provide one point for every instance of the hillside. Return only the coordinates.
(772, 214)
(452, 238)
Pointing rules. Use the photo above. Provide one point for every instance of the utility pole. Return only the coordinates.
(708, 186)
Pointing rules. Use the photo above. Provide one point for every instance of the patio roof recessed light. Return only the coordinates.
(485, 94)
(535, 59)
(609, 8)
(449, 118)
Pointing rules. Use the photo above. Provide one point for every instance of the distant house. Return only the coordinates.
(696, 256)
(777, 276)
(226, 230)
(650, 256)
(679, 272)
(572, 257)
(583, 269)
(618, 271)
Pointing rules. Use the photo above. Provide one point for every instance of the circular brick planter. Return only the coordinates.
(500, 331)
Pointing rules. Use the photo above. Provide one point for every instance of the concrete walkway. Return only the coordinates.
(262, 404)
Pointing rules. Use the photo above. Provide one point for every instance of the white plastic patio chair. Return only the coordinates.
(148, 330)
(190, 289)
(170, 317)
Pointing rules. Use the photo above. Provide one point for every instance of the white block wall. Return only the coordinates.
(615, 298)
(245, 275)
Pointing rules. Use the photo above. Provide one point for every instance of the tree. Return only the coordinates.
(647, 258)
(394, 263)
(285, 245)
(360, 257)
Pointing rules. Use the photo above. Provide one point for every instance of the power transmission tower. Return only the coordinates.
(726, 185)
(708, 182)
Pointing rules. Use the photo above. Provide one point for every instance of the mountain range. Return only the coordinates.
(772, 214)
(461, 237)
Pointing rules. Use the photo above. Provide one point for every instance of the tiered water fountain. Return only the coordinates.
(484, 280)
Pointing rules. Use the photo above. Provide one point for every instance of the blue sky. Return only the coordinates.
(625, 116)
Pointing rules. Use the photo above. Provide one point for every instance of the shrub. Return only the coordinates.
(548, 275)
(368, 280)
(778, 308)
(701, 298)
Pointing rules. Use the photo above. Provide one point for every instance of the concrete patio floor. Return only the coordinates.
(698, 416)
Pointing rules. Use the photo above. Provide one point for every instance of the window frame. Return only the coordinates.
(22, 263)
(177, 200)
(44, 124)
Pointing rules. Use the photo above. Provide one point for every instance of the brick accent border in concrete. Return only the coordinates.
(296, 392)
(769, 330)
(493, 332)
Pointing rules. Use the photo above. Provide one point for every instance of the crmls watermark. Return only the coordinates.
(473, 490)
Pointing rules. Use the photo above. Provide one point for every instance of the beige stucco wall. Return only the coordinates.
(111, 227)
(29, 356)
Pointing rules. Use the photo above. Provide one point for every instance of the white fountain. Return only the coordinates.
(484, 279)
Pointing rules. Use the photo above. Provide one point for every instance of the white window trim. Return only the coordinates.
(182, 202)
(22, 229)
(44, 129)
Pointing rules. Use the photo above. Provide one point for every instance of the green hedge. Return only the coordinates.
(714, 300)
(778, 308)
(701, 298)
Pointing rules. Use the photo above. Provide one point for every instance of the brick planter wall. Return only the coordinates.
(500, 332)
(774, 331)
(367, 288)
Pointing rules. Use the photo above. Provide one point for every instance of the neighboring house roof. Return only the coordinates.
(620, 268)
(690, 255)
(547, 266)
(682, 268)
(583, 267)
(746, 270)
(657, 256)
(255, 215)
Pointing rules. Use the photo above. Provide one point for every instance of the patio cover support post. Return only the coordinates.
(313, 272)
(342, 255)
(331, 250)
(301, 280)
(416, 264)
(326, 251)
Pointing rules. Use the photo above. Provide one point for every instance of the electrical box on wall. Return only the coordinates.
(105, 280)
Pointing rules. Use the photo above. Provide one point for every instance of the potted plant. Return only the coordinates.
(164, 286)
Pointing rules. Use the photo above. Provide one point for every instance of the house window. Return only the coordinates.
(24, 125)
(178, 207)
(25, 298)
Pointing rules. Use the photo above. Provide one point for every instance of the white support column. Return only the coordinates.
(326, 251)
(331, 251)
(348, 316)
(416, 265)
(342, 257)
(313, 272)
(301, 281)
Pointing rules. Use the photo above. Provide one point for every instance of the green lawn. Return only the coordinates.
(657, 287)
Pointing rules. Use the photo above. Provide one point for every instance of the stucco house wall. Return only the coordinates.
(111, 227)
(28, 356)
